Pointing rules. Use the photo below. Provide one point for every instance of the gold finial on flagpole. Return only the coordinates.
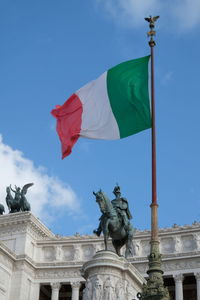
(152, 32)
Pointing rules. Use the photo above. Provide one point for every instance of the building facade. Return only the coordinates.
(36, 264)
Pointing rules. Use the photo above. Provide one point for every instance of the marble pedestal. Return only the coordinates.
(110, 277)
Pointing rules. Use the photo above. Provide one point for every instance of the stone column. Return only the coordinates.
(75, 290)
(178, 278)
(55, 287)
(197, 275)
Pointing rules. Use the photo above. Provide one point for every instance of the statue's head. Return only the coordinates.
(100, 199)
(97, 282)
(116, 190)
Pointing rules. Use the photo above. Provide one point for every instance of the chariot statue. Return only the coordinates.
(19, 201)
(115, 221)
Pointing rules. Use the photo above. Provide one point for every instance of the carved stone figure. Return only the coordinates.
(197, 240)
(109, 290)
(137, 248)
(178, 244)
(113, 224)
(2, 209)
(77, 253)
(119, 290)
(97, 289)
(19, 202)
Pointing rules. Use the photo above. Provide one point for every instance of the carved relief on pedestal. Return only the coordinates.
(109, 289)
(97, 290)
(105, 287)
(119, 289)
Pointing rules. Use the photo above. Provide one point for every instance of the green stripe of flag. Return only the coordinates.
(128, 92)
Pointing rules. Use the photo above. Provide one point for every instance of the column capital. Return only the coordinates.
(75, 284)
(197, 275)
(178, 277)
(55, 285)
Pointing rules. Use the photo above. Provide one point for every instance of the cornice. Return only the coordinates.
(31, 224)
(175, 229)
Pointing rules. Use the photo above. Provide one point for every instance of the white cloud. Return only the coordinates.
(46, 195)
(176, 15)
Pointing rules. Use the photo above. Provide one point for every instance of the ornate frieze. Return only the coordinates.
(45, 274)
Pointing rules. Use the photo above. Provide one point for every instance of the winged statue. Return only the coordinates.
(152, 20)
(18, 202)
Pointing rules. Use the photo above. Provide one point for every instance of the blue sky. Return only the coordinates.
(51, 48)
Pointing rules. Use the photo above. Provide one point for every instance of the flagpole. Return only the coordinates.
(154, 205)
(154, 289)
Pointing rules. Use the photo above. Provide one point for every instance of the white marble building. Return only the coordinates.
(35, 264)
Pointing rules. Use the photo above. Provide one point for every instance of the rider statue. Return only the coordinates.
(17, 192)
(121, 206)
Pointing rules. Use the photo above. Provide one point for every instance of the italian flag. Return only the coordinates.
(113, 106)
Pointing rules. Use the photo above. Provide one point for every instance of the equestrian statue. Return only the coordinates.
(115, 221)
(19, 202)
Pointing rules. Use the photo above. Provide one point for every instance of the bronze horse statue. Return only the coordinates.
(112, 226)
